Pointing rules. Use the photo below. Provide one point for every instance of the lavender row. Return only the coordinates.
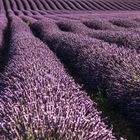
(125, 23)
(126, 38)
(103, 67)
(38, 97)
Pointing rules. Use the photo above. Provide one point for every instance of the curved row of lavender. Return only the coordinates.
(108, 68)
(124, 33)
(37, 96)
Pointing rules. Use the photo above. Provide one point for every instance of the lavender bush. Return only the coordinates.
(98, 24)
(124, 23)
(123, 39)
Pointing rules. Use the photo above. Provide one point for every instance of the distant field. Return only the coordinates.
(73, 5)
(69, 69)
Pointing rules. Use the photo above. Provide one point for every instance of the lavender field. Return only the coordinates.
(69, 70)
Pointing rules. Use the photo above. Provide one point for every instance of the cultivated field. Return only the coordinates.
(69, 70)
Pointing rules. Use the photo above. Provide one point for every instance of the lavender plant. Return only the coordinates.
(121, 38)
(98, 24)
(124, 23)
